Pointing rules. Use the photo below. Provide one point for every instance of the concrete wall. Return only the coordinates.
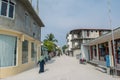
(85, 52)
(16, 27)
(76, 52)
(18, 22)
(12, 70)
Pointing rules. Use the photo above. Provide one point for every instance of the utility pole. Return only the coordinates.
(113, 43)
(37, 7)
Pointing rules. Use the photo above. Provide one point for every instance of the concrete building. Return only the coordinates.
(20, 34)
(78, 36)
(101, 52)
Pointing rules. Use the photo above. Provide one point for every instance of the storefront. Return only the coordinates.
(117, 50)
(18, 52)
(103, 51)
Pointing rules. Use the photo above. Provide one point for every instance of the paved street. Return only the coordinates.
(63, 68)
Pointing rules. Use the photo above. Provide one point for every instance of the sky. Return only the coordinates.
(62, 16)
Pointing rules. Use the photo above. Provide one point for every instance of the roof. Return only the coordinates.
(90, 29)
(33, 13)
(106, 37)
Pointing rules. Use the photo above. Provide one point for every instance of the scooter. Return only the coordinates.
(82, 61)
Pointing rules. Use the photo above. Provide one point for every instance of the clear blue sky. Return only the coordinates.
(61, 16)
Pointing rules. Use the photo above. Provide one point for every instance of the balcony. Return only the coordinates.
(76, 47)
(77, 38)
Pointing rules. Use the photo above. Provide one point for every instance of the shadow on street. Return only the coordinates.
(50, 62)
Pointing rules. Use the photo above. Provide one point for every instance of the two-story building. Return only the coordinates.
(78, 36)
(20, 34)
(104, 50)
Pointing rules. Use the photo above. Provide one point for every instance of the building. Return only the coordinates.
(20, 33)
(101, 52)
(68, 50)
(78, 36)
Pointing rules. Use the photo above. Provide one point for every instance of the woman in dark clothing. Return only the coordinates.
(41, 63)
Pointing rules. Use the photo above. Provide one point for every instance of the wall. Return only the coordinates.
(76, 52)
(16, 27)
(69, 41)
(18, 22)
(12, 70)
(85, 52)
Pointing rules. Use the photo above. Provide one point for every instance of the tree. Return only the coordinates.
(50, 37)
(49, 42)
(49, 45)
(64, 47)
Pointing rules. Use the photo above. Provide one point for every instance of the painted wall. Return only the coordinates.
(16, 27)
(12, 70)
(18, 22)
(85, 52)
(69, 42)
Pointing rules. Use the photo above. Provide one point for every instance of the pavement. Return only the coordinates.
(64, 68)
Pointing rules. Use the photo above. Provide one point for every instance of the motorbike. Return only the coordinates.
(82, 61)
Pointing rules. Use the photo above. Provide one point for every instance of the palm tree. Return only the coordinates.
(50, 37)
(49, 45)
(49, 42)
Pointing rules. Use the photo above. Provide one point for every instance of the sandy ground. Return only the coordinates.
(63, 68)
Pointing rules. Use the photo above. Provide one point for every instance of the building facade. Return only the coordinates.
(78, 36)
(20, 33)
(102, 52)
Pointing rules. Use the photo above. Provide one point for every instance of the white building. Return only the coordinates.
(78, 36)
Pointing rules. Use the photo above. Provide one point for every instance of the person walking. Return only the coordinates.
(41, 63)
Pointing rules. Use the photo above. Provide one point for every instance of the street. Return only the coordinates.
(63, 68)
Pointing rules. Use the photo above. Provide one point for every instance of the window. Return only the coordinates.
(100, 33)
(35, 30)
(11, 10)
(87, 33)
(25, 51)
(38, 32)
(27, 21)
(7, 8)
(4, 8)
(33, 51)
(7, 50)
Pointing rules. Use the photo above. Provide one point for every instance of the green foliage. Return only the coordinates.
(49, 45)
(64, 47)
(50, 37)
(49, 42)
